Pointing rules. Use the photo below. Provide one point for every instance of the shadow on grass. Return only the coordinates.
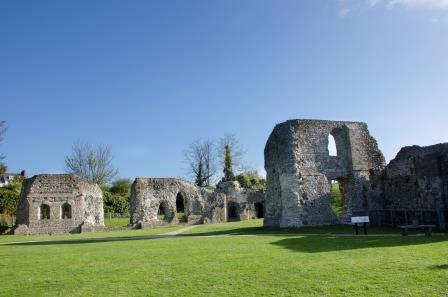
(440, 267)
(319, 244)
(325, 230)
(303, 240)
(87, 240)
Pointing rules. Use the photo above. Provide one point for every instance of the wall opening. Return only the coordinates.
(337, 195)
(66, 211)
(180, 208)
(161, 213)
(232, 210)
(259, 210)
(44, 212)
(332, 150)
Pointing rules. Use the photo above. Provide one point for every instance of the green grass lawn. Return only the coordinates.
(250, 262)
(116, 222)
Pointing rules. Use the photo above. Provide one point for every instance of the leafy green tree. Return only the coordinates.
(121, 186)
(237, 152)
(10, 195)
(115, 203)
(251, 180)
(228, 169)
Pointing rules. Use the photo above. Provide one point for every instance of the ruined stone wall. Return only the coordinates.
(55, 191)
(416, 180)
(149, 194)
(299, 170)
(202, 204)
(244, 201)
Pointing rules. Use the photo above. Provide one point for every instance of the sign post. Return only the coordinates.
(358, 220)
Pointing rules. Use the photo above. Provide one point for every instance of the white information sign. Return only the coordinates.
(360, 219)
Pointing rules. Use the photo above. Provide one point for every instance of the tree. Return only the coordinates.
(201, 162)
(228, 169)
(199, 175)
(10, 195)
(92, 165)
(3, 129)
(121, 186)
(251, 180)
(236, 152)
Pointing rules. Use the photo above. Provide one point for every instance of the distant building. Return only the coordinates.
(7, 178)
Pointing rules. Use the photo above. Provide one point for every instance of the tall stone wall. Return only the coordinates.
(299, 171)
(415, 186)
(52, 194)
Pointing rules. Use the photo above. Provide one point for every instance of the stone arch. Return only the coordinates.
(232, 211)
(259, 210)
(181, 209)
(165, 213)
(44, 211)
(338, 142)
(66, 211)
(162, 214)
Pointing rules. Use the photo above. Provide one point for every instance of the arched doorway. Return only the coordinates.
(337, 196)
(259, 211)
(232, 211)
(161, 213)
(180, 208)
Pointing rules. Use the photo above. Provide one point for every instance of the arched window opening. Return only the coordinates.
(232, 211)
(180, 208)
(44, 212)
(161, 216)
(66, 211)
(332, 150)
(259, 210)
(337, 196)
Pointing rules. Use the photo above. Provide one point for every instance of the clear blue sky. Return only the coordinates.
(147, 77)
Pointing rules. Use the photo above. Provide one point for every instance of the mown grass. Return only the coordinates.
(116, 222)
(284, 264)
(336, 198)
(99, 234)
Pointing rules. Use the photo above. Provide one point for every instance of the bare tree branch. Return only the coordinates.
(201, 161)
(92, 165)
(3, 129)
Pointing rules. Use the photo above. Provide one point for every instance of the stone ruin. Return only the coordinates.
(156, 201)
(300, 169)
(415, 187)
(59, 203)
(412, 188)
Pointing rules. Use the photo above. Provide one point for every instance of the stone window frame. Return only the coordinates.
(69, 217)
(41, 212)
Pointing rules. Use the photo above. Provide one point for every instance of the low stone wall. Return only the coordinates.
(150, 197)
